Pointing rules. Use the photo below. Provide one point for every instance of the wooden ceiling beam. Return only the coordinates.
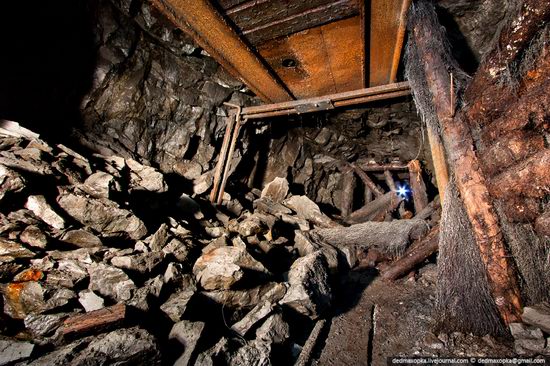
(210, 30)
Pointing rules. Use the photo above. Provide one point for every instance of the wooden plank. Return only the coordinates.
(322, 59)
(228, 4)
(205, 25)
(384, 27)
(263, 20)
(94, 321)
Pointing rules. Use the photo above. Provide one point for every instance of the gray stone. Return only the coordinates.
(102, 215)
(158, 240)
(304, 246)
(307, 209)
(538, 315)
(221, 268)
(34, 236)
(173, 273)
(61, 356)
(41, 208)
(23, 298)
(202, 183)
(100, 185)
(178, 249)
(251, 225)
(217, 243)
(24, 216)
(188, 334)
(272, 292)
(217, 355)
(82, 255)
(528, 340)
(10, 250)
(189, 207)
(12, 350)
(69, 273)
(297, 222)
(110, 281)
(176, 304)
(42, 325)
(146, 178)
(59, 298)
(255, 353)
(142, 263)
(90, 301)
(258, 313)
(274, 330)
(10, 182)
(151, 288)
(276, 190)
(309, 291)
(81, 238)
(127, 346)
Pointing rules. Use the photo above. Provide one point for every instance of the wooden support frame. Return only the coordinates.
(211, 31)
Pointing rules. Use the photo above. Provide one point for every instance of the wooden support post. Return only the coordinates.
(440, 164)
(368, 182)
(211, 31)
(389, 180)
(222, 157)
(400, 39)
(418, 188)
(367, 196)
(348, 188)
(236, 131)
(376, 210)
(470, 180)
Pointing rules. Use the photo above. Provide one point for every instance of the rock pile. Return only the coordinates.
(102, 263)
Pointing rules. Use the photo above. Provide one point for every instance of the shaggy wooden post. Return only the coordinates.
(471, 182)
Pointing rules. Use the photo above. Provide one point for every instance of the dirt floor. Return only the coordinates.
(376, 319)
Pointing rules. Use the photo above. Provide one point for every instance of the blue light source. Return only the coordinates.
(403, 191)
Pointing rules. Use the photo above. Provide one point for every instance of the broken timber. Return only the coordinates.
(94, 321)
(470, 180)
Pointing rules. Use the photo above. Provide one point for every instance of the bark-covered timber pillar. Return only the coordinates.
(464, 164)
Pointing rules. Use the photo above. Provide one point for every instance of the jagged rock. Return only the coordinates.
(41, 325)
(304, 246)
(23, 298)
(23, 216)
(309, 292)
(176, 304)
(271, 292)
(202, 183)
(110, 281)
(102, 215)
(528, 340)
(41, 208)
(10, 182)
(100, 185)
(274, 330)
(276, 190)
(307, 209)
(217, 243)
(189, 207)
(296, 222)
(61, 356)
(34, 236)
(142, 263)
(188, 334)
(173, 273)
(152, 287)
(11, 160)
(128, 346)
(146, 178)
(60, 298)
(259, 312)
(8, 271)
(178, 249)
(538, 316)
(69, 273)
(10, 250)
(158, 240)
(268, 206)
(90, 301)
(81, 238)
(249, 226)
(252, 353)
(215, 355)
(11, 351)
(82, 255)
(221, 268)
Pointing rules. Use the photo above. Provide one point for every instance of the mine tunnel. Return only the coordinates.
(274, 182)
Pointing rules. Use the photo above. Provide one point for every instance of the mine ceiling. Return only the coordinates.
(285, 50)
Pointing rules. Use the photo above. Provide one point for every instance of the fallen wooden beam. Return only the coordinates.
(417, 253)
(466, 168)
(94, 321)
(530, 178)
(212, 32)
(375, 210)
(367, 181)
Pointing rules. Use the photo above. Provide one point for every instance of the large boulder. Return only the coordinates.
(309, 292)
(223, 267)
(110, 281)
(102, 215)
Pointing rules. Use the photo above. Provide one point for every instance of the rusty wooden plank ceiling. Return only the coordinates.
(288, 49)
